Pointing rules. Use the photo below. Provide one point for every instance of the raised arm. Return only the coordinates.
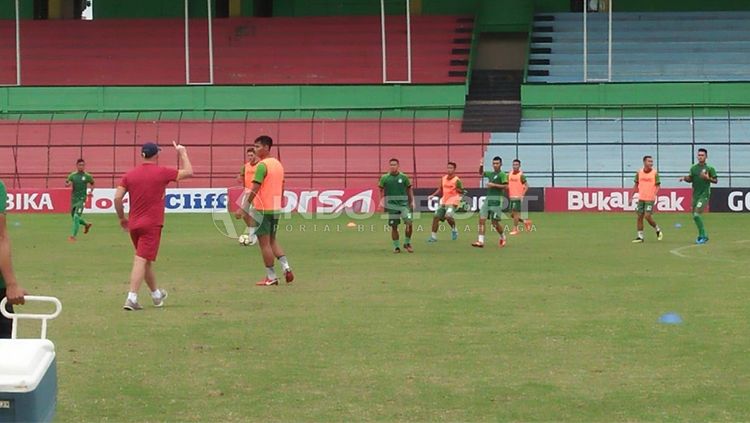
(186, 168)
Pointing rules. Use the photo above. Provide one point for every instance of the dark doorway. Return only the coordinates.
(41, 9)
(222, 8)
(78, 6)
(263, 8)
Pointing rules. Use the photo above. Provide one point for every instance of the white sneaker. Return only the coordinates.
(160, 301)
(132, 305)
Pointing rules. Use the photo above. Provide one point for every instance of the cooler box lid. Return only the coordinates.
(23, 363)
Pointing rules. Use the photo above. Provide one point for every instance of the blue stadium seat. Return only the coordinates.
(659, 46)
(606, 152)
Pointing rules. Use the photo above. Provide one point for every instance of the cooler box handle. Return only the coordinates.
(43, 317)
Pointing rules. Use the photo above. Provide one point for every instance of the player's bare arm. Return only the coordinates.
(410, 194)
(498, 186)
(635, 189)
(119, 208)
(13, 290)
(253, 192)
(186, 168)
(706, 176)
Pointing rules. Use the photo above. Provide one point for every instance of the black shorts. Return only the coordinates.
(6, 325)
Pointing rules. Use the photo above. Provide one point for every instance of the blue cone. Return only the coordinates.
(670, 319)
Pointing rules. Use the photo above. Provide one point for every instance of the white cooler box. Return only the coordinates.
(28, 371)
(28, 380)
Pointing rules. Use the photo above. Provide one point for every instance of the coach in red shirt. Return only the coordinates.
(146, 184)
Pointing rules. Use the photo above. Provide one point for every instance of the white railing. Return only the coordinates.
(586, 45)
(408, 44)
(188, 80)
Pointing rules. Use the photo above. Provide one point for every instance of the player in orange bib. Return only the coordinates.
(245, 177)
(450, 191)
(647, 185)
(267, 195)
(517, 187)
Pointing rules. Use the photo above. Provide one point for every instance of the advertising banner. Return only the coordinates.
(612, 200)
(734, 200)
(533, 202)
(328, 201)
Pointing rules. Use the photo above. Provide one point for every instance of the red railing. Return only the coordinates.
(317, 152)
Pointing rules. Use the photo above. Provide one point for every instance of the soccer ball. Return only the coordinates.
(246, 240)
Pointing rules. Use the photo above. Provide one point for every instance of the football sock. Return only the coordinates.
(407, 240)
(434, 235)
(271, 273)
(284, 263)
(251, 230)
(132, 296)
(658, 229)
(481, 239)
(76, 224)
(699, 223)
(396, 244)
(640, 234)
(156, 294)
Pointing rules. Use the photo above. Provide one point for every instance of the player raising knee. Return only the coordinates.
(701, 176)
(451, 188)
(244, 212)
(80, 181)
(647, 185)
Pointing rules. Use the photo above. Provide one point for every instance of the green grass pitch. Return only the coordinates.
(562, 324)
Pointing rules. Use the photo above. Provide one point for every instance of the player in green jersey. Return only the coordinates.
(398, 202)
(80, 181)
(701, 176)
(492, 208)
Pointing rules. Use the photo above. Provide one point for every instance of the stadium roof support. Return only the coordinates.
(408, 44)
(18, 48)
(586, 45)
(188, 80)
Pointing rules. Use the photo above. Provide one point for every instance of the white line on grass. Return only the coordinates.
(679, 252)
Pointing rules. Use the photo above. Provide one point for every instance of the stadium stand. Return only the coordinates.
(284, 50)
(656, 46)
(607, 152)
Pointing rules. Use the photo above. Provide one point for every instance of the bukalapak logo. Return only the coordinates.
(621, 201)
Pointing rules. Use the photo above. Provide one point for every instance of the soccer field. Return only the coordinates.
(562, 324)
